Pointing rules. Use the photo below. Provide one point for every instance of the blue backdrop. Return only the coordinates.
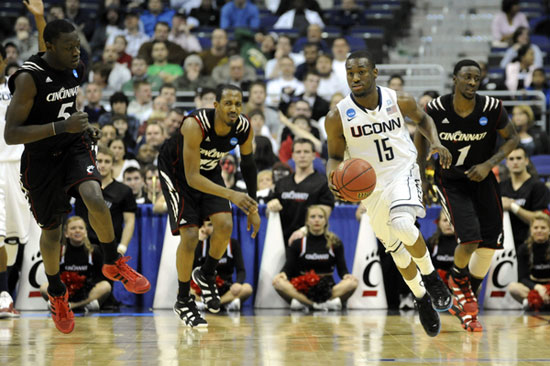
(146, 245)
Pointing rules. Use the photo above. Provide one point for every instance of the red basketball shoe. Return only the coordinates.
(462, 289)
(132, 280)
(62, 314)
(469, 322)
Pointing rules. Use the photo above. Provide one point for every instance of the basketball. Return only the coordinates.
(355, 179)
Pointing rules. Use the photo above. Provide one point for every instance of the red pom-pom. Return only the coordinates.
(534, 300)
(304, 282)
(73, 281)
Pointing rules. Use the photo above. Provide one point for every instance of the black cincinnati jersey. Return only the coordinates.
(213, 147)
(471, 140)
(55, 99)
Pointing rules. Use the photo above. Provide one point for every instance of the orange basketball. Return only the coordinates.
(355, 179)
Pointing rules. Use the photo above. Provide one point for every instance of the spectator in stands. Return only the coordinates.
(507, 21)
(427, 97)
(24, 40)
(120, 160)
(314, 35)
(192, 77)
(172, 123)
(118, 73)
(120, 201)
(205, 98)
(283, 49)
(153, 189)
(321, 251)
(119, 106)
(12, 54)
(329, 83)
(340, 51)
(57, 11)
(147, 155)
(154, 135)
(168, 72)
(217, 52)
(521, 38)
(319, 106)
(232, 293)
(442, 246)
(80, 268)
(299, 127)
(142, 106)
(83, 21)
(296, 192)
(263, 153)
(240, 14)
(109, 23)
(298, 18)
(233, 73)
(268, 45)
(120, 44)
(134, 179)
(284, 87)
(256, 101)
(265, 184)
(176, 54)
(120, 123)
(336, 97)
(540, 83)
(349, 15)
(181, 35)
(108, 134)
(131, 32)
(523, 194)
(257, 121)
(311, 53)
(168, 92)
(93, 102)
(396, 82)
(156, 12)
(534, 265)
(487, 81)
(230, 175)
(533, 140)
(139, 73)
(206, 14)
(519, 73)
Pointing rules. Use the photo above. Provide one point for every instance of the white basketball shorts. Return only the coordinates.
(15, 214)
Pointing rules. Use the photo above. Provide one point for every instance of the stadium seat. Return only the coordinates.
(542, 165)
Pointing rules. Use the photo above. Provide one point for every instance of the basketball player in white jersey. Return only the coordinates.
(369, 124)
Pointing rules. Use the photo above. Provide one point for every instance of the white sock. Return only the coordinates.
(416, 286)
(424, 263)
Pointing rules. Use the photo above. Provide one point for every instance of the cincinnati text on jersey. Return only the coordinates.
(460, 136)
(62, 94)
(376, 127)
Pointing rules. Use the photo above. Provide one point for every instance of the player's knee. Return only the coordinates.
(189, 237)
(401, 257)
(246, 290)
(223, 228)
(402, 224)
(480, 262)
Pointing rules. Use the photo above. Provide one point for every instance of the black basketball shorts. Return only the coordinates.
(49, 178)
(187, 206)
(475, 210)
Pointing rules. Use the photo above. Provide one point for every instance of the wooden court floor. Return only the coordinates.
(274, 338)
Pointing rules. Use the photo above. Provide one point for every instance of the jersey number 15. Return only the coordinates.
(385, 152)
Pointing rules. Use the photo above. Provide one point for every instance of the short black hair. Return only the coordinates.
(167, 86)
(162, 23)
(464, 63)
(2, 51)
(132, 169)
(302, 140)
(396, 76)
(118, 97)
(206, 90)
(257, 83)
(519, 30)
(54, 29)
(363, 54)
(222, 87)
(507, 5)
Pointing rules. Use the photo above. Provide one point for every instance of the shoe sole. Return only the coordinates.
(65, 331)
(442, 310)
(134, 291)
(212, 310)
(9, 316)
(190, 326)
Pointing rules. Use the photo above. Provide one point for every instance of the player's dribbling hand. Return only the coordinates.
(77, 122)
(445, 157)
(244, 202)
(478, 172)
(94, 133)
(334, 189)
(253, 220)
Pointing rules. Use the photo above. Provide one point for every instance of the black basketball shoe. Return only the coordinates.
(209, 290)
(428, 316)
(438, 291)
(187, 310)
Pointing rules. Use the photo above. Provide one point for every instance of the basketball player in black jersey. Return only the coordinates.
(58, 160)
(468, 125)
(190, 175)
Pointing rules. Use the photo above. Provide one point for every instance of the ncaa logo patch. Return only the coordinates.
(233, 141)
(350, 113)
(75, 73)
(483, 121)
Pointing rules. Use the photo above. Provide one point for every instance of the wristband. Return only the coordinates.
(121, 248)
(59, 127)
(514, 207)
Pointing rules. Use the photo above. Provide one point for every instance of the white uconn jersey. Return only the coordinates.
(7, 153)
(378, 136)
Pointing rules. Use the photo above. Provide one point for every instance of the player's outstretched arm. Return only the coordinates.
(336, 144)
(191, 161)
(248, 165)
(36, 7)
(426, 126)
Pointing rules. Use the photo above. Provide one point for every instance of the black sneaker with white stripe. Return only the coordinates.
(187, 310)
(209, 290)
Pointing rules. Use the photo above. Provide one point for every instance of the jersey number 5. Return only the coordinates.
(385, 152)
(62, 113)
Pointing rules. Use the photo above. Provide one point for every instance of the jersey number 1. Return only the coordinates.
(385, 152)
(463, 154)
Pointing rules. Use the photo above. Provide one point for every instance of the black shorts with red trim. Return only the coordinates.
(186, 206)
(50, 178)
(475, 210)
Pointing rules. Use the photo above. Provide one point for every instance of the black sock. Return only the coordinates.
(4, 281)
(459, 272)
(55, 286)
(109, 249)
(475, 282)
(209, 266)
(183, 290)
